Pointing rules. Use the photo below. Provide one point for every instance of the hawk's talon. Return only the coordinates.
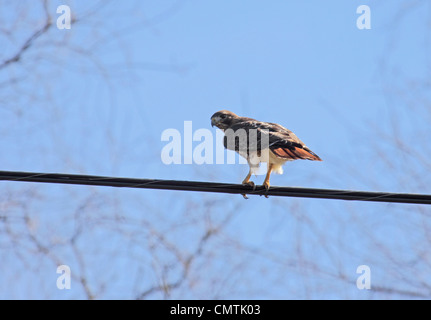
(266, 185)
(250, 184)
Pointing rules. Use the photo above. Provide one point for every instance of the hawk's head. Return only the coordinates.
(223, 119)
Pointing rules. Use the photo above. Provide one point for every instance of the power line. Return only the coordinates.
(79, 179)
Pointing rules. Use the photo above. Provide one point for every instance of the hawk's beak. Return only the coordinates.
(213, 122)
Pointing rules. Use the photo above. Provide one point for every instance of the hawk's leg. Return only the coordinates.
(266, 181)
(247, 182)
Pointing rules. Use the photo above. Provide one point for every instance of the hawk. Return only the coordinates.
(273, 143)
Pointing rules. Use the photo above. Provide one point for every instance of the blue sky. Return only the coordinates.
(95, 99)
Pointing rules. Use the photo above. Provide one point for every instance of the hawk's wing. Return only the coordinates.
(282, 142)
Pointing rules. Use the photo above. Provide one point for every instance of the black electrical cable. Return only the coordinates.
(79, 179)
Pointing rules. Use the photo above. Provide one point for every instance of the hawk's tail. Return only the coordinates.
(295, 153)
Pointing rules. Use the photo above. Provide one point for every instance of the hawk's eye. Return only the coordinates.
(223, 116)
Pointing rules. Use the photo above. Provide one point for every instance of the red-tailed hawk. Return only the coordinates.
(261, 142)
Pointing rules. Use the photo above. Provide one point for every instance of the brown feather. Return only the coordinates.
(296, 153)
